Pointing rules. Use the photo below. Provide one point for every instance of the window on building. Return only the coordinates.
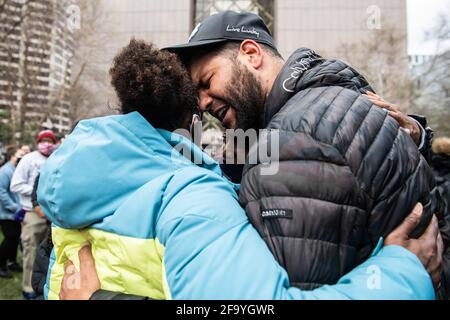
(264, 8)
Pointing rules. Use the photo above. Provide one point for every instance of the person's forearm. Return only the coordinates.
(393, 274)
(249, 271)
(22, 188)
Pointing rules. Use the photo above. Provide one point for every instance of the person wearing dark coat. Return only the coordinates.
(11, 214)
(348, 174)
(440, 163)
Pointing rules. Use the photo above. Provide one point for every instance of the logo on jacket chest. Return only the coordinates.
(277, 213)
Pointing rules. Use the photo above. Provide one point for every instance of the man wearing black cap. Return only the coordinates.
(337, 151)
(235, 31)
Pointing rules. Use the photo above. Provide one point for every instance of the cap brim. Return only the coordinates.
(183, 49)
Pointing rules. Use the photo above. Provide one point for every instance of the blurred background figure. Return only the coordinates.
(11, 213)
(25, 149)
(34, 225)
(440, 163)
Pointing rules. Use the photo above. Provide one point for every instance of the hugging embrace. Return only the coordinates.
(353, 198)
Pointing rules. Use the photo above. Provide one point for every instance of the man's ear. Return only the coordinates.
(251, 53)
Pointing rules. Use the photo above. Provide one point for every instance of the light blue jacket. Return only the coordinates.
(9, 201)
(121, 176)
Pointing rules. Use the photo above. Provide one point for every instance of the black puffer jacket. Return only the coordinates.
(40, 266)
(347, 174)
(440, 163)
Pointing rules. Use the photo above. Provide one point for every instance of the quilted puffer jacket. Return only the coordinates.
(163, 227)
(346, 174)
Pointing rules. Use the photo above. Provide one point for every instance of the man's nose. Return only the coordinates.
(205, 101)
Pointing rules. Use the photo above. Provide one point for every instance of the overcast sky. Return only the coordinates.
(422, 15)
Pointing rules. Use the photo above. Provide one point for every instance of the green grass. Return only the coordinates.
(11, 289)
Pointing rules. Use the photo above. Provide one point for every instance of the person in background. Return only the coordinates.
(41, 262)
(34, 226)
(440, 163)
(25, 149)
(10, 212)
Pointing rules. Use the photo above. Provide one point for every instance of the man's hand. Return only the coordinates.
(80, 285)
(39, 212)
(406, 122)
(20, 215)
(428, 248)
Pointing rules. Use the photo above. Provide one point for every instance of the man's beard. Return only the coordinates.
(246, 95)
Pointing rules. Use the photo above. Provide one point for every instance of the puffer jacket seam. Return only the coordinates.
(386, 158)
(329, 242)
(339, 73)
(343, 118)
(297, 129)
(356, 133)
(372, 145)
(308, 198)
(331, 110)
(320, 70)
(313, 133)
(290, 102)
(400, 188)
(343, 157)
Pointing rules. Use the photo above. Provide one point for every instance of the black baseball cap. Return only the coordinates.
(224, 27)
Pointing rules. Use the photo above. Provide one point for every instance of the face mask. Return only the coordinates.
(46, 148)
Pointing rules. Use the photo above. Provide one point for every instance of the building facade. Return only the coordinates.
(36, 47)
(323, 25)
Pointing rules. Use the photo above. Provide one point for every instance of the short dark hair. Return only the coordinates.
(230, 48)
(153, 83)
(10, 152)
(233, 47)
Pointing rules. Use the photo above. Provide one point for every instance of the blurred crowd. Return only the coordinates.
(22, 223)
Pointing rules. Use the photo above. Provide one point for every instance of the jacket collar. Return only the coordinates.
(288, 81)
(168, 144)
(180, 150)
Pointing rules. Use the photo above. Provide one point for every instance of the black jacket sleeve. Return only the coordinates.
(34, 193)
(41, 264)
(425, 148)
